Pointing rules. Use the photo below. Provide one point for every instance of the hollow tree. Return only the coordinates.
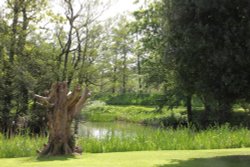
(62, 107)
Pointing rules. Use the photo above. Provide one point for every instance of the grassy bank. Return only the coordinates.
(100, 112)
(169, 139)
(204, 158)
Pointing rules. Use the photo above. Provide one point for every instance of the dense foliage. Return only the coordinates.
(201, 48)
(209, 41)
(172, 53)
(75, 46)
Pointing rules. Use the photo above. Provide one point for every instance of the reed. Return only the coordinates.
(170, 139)
(160, 139)
(20, 146)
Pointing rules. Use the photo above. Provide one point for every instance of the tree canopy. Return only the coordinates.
(175, 51)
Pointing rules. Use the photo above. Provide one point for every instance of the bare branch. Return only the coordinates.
(44, 101)
(59, 39)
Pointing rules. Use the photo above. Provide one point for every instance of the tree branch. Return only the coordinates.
(74, 96)
(44, 101)
(79, 105)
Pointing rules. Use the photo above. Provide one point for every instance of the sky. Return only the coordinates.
(121, 6)
(117, 6)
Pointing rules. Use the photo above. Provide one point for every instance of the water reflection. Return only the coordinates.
(117, 129)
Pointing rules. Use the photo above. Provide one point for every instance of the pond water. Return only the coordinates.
(117, 129)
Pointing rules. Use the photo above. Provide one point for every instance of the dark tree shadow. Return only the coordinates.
(222, 161)
(55, 158)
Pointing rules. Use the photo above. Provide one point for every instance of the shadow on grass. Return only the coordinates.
(56, 158)
(222, 161)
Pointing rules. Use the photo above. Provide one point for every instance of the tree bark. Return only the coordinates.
(8, 71)
(24, 99)
(124, 73)
(62, 107)
(189, 108)
(225, 109)
(139, 73)
(205, 117)
(114, 76)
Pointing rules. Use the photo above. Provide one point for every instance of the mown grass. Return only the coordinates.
(198, 158)
(161, 139)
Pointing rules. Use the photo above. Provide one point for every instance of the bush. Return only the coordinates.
(174, 120)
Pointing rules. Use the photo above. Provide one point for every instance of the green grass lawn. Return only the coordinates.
(198, 158)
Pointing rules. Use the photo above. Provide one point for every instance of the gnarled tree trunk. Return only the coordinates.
(62, 106)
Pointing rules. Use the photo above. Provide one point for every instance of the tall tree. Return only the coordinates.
(29, 15)
(20, 16)
(79, 40)
(209, 42)
(8, 72)
(158, 72)
(122, 41)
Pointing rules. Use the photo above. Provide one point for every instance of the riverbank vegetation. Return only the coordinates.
(157, 139)
(171, 139)
(98, 111)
